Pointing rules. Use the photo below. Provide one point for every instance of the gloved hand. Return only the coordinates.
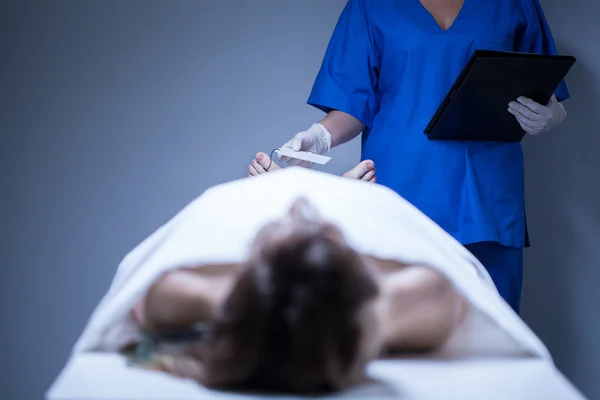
(535, 118)
(316, 139)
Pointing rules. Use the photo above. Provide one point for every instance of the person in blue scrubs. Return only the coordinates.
(388, 66)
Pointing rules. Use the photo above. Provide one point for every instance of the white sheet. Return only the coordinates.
(219, 226)
(95, 376)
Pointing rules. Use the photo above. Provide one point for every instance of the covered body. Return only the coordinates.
(220, 225)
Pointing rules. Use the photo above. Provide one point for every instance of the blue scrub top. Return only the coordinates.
(389, 65)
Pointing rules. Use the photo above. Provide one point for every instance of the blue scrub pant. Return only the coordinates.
(505, 265)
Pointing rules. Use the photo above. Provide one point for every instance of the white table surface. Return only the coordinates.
(107, 376)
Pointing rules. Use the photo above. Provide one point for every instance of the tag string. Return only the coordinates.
(271, 159)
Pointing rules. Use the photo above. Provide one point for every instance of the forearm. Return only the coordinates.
(342, 127)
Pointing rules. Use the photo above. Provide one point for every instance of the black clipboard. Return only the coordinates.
(475, 107)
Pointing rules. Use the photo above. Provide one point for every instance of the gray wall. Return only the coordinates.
(561, 292)
(115, 114)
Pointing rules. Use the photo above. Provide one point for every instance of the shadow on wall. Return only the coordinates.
(563, 197)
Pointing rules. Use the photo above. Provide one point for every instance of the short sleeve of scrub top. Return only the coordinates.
(348, 77)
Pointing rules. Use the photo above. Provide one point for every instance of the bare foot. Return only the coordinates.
(364, 171)
(260, 165)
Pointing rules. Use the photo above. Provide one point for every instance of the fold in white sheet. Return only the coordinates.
(219, 226)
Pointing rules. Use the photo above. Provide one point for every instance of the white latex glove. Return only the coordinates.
(316, 139)
(535, 118)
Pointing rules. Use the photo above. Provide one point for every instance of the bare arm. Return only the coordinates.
(184, 297)
(175, 301)
(423, 309)
(180, 299)
(342, 127)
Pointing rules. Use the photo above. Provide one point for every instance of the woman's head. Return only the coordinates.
(299, 315)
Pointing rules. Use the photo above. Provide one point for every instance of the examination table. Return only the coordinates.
(96, 371)
(101, 376)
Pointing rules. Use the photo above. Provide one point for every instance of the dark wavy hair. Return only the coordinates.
(291, 322)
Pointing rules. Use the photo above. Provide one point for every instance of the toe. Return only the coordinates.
(266, 162)
(251, 169)
(360, 170)
(257, 167)
(370, 174)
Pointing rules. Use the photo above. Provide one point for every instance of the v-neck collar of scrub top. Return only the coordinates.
(432, 21)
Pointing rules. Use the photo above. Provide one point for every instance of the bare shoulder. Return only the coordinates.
(422, 306)
(384, 267)
(216, 270)
(420, 283)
